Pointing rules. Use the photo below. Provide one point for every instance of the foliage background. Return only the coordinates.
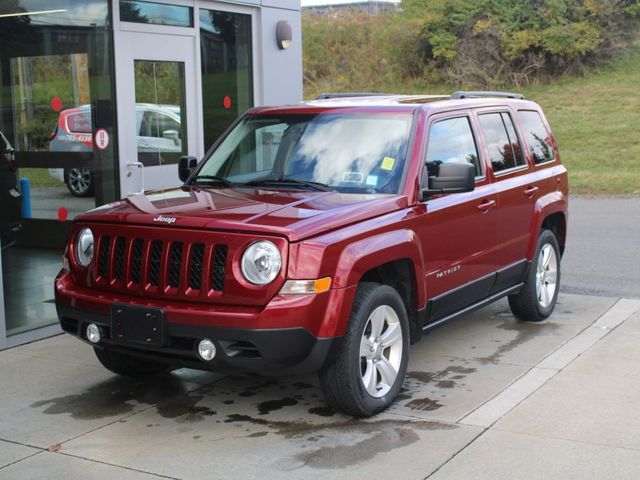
(479, 43)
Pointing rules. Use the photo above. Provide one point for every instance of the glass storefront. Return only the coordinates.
(68, 143)
(56, 88)
(227, 73)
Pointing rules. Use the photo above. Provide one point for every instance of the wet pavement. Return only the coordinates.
(485, 397)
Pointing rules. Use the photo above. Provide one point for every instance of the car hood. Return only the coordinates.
(294, 214)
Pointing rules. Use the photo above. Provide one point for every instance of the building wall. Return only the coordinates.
(281, 69)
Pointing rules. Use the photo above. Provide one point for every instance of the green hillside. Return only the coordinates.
(596, 121)
(595, 118)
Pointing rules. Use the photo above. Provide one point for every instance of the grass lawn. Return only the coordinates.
(595, 119)
(39, 177)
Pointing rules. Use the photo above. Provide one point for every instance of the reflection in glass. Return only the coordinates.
(54, 65)
(74, 13)
(160, 107)
(227, 73)
(504, 150)
(451, 140)
(157, 13)
(352, 153)
(538, 138)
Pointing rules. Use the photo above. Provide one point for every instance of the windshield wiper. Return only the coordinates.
(290, 181)
(210, 179)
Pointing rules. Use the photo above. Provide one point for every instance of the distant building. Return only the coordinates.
(372, 7)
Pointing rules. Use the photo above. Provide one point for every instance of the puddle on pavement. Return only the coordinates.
(525, 331)
(447, 378)
(114, 397)
(342, 443)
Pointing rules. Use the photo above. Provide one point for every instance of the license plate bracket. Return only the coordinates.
(138, 325)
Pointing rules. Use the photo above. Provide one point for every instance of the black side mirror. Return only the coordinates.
(186, 165)
(452, 177)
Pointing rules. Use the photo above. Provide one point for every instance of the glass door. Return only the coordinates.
(156, 108)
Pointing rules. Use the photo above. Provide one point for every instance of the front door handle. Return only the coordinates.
(486, 205)
(530, 191)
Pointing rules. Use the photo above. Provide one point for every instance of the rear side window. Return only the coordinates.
(452, 140)
(537, 135)
(502, 141)
(79, 122)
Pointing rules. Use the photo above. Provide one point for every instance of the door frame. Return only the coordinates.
(123, 93)
(145, 46)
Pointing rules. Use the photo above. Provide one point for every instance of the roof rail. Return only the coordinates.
(326, 96)
(476, 94)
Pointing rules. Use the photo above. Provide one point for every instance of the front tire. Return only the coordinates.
(537, 299)
(128, 366)
(370, 367)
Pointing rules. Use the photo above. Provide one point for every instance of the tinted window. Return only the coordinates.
(451, 140)
(158, 13)
(227, 69)
(538, 138)
(502, 141)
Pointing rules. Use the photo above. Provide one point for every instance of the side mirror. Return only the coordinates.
(452, 177)
(172, 135)
(186, 165)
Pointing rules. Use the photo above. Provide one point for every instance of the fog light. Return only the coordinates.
(93, 333)
(206, 349)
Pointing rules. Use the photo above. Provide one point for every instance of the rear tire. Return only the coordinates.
(537, 299)
(370, 367)
(128, 366)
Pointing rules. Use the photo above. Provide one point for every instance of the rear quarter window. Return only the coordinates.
(538, 138)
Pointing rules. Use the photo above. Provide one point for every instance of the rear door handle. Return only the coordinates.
(486, 205)
(530, 191)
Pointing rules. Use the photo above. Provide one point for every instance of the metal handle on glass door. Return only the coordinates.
(141, 167)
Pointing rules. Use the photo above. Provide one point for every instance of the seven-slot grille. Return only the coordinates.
(169, 266)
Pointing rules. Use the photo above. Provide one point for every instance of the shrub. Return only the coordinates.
(484, 43)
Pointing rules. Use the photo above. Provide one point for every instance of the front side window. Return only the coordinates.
(502, 142)
(452, 140)
(351, 153)
(538, 137)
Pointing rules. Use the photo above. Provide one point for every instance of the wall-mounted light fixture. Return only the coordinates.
(284, 34)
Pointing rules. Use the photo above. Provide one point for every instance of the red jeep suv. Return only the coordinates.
(326, 237)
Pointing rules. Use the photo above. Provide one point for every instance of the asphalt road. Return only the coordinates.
(602, 255)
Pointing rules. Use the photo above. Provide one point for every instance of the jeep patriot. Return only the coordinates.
(325, 237)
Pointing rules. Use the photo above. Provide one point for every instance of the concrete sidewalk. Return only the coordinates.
(486, 397)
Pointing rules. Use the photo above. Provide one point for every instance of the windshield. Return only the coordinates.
(351, 153)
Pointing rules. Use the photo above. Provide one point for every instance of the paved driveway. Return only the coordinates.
(603, 248)
(486, 397)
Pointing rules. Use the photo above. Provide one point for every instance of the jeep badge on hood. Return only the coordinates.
(168, 220)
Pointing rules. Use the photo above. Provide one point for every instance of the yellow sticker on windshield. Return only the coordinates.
(388, 163)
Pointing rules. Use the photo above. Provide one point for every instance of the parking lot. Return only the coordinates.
(485, 397)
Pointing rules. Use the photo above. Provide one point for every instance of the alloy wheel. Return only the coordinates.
(546, 275)
(79, 180)
(381, 351)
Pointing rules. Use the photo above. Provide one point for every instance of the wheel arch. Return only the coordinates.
(550, 213)
(392, 259)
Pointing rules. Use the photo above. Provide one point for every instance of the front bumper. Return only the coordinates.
(290, 335)
(275, 351)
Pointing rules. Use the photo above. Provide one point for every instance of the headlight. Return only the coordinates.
(84, 247)
(261, 262)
